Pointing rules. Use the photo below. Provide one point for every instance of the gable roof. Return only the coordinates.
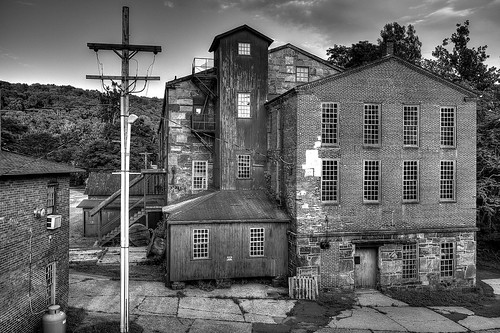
(12, 164)
(217, 38)
(310, 55)
(227, 206)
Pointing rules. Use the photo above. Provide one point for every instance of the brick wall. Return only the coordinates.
(26, 247)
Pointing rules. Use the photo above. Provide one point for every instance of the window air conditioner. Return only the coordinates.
(53, 221)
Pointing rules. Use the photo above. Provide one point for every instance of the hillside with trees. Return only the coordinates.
(77, 126)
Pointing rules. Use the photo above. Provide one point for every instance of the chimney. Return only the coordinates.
(389, 47)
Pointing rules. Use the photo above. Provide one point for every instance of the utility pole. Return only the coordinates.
(128, 51)
(146, 159)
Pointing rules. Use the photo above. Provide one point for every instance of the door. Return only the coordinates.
(365, 271)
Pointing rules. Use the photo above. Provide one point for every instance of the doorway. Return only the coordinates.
(365, 267)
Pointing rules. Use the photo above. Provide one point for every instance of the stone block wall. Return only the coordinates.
(27, 247)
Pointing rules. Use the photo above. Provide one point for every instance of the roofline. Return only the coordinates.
(231, 221)
(215, 42)
(298, 49)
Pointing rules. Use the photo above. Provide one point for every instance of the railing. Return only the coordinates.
(203, 122)
(202, 64)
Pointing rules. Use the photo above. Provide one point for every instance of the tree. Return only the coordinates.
(463, 63)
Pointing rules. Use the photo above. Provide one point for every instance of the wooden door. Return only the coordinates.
(365, 271)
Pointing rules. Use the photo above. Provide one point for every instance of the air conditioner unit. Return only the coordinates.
(53, 221)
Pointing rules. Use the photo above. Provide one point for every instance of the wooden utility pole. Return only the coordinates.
(125, 51)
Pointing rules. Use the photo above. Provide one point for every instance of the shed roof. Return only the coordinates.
(227, 206)
(217, 38)
(13, 164)
(107, 183)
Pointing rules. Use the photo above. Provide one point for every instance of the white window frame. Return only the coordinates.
(257, 242)
(411, 181)
(200, 244)
(302, 74)
(411, 125)
(446, 182)
(51, 198)
(448, 126)
(243, 105)
(244, 166)
(330, 180)
(372, 182)
(372, 125)
(329, 124)
(447, 260)
(51, 281)
(199, 175)
(244, 48)
(410, 262)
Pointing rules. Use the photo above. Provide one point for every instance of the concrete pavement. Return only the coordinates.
(256, 308)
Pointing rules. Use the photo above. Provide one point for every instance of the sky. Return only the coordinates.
(45, 41)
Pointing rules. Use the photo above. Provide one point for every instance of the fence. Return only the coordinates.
(303, 287)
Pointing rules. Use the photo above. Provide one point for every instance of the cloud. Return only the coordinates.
(451, 12)
(169, 4)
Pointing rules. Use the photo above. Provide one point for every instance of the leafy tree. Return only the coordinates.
(110, 105)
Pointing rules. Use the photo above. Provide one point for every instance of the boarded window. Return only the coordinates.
(447, 181)
(257, 242)
(371, 181)
(302, 74)
(329, 124)
(50, 278)
(244, 48)
(410, 181)
(201, 243)
(371, 125)
(200, 173)
(243, 167)
(410, 125)
(447, 262)
(243, 105)
(410, 262)
(448, 127)
(330, 181)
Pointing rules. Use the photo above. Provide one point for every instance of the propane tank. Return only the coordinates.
(54, 320)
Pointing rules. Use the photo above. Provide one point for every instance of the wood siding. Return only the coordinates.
(229, 253)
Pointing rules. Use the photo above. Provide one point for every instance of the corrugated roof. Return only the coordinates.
(106, 183)
(242, 206)
(12, 164)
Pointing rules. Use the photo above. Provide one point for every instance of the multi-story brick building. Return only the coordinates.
(373, 165)
(377, 172)
(34, 239)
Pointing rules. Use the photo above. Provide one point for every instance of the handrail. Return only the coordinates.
(105, 228)
(112, 197)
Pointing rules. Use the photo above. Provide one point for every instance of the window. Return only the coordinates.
(302, 74)
(50, 278)
(243, 105)
(199, 179)
(51, 199)
(200, 243)
(244, 166)
(448, 127)
(371, 181)
(410, 125)
(197, 109)
(330, 180)
(257, 242)
(410, 181)
(447, 181)
(371, 125)
(409, 261)
(447, 262)
(329, 124)
(244, 48)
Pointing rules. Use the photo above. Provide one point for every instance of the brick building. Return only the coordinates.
(34, 259)
(377, 171)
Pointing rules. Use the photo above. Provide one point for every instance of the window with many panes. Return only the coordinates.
(302, 74)
(244, 48)
(410, 181)
(257, 238)
(330, 181)
(51, 198)
(200, 175)
(371, 181)
(410, 125)
(50, 279)
(371, 125)
(243, 105)
(448, 130)
(447, 262)
(329, 124)
(409, 256)
(447, 181)
(243, 167)
(201, 242)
